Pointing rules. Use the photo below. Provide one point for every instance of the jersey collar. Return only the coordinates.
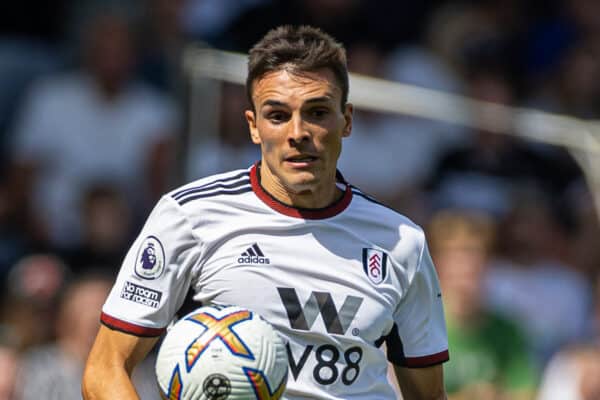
(305, 213)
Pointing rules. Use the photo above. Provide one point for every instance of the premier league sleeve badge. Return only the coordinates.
(150, 260)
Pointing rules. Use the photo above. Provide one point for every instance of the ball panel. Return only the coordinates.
(222, 353)
(261, 387)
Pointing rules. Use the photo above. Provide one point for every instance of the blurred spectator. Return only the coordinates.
(467, 33)
(584, 15)
(206, 20)
(349, 21)
(29, 47)
(490, 358)
(9, 365)
(572, 374)
(22, 61)
(394, 175)
(230, 148)
(534, 280)
(46, 25)
(94, 124)
(30, 296)
(585, 252)
(571, 88)
(56, 369)
(479, 173)
(484, 174)
(594, 328)
(20, 232)
(162, 47)
(563, 25)
(107, 229)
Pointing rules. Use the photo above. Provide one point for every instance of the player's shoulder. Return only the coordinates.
(371, 209)
(233, 182)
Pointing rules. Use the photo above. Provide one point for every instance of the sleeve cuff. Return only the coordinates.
(425, 361)
(127, 327)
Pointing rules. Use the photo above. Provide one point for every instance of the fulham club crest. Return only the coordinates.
(150, 261)
(375, 265)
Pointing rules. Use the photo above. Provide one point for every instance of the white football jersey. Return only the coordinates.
(336, 282)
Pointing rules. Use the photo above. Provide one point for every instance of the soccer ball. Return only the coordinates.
(219, 353)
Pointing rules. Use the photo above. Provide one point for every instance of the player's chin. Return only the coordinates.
(302, 182)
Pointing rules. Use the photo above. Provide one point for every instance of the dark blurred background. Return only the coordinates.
(94, 127)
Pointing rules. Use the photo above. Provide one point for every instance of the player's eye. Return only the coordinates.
(319, 113)
(277, 117)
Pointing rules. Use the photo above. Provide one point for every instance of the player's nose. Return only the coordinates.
(298, 131)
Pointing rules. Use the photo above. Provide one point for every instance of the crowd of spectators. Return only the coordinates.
(93, 129)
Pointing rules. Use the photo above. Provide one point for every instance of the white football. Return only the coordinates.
(222, 353)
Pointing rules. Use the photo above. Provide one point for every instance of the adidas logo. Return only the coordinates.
(253, 255)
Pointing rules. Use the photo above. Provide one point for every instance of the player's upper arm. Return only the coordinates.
(111, 362)
(421, 383)
(156, 273)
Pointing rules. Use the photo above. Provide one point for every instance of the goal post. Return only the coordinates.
(205, 66)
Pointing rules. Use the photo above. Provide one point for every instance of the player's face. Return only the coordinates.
(299, 123)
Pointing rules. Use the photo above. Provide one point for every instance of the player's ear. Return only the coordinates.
(251, 119)
(348, 111)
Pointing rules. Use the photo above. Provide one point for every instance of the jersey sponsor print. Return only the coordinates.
(336, 283)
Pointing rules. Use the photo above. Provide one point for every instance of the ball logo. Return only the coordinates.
(150, 260)
(375, 265)
(216, 387)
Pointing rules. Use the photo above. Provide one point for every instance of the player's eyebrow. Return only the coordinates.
(276, 103)
(273, 103)
(321, 99)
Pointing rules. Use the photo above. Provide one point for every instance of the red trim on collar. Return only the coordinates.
(304, 213)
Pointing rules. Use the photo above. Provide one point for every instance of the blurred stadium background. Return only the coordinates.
(480, 120)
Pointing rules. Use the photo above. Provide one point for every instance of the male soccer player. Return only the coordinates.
(336, 273)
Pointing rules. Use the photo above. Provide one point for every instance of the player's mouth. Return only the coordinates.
(301, 161)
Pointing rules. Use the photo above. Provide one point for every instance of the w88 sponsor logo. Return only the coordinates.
(331, 364)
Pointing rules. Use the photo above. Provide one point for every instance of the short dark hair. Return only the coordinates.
(297, 49)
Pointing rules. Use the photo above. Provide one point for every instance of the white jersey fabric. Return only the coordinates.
(336, 282)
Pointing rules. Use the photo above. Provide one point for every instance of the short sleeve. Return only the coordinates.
(155, 275)
(419, 337)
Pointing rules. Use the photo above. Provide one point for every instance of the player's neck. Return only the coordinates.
(321, 195)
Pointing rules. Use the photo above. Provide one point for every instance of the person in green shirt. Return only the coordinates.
(489, 356)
